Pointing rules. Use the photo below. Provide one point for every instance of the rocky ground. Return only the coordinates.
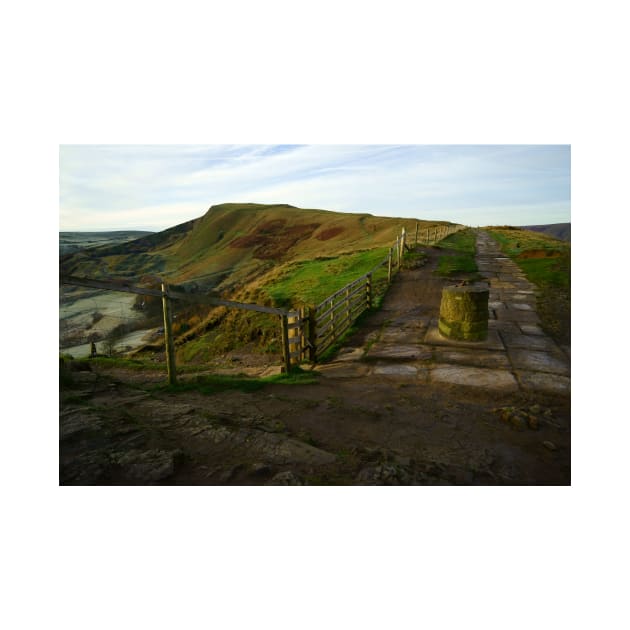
(383, 413)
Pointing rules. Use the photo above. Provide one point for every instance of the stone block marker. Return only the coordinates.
(464, 312)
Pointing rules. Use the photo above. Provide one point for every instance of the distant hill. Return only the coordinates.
(70, 242)
(560, 231)
(234, 244)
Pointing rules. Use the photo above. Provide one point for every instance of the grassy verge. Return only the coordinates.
(312, 281)
(459, 254)
(303, 283)
(209, 384)
(546, 262)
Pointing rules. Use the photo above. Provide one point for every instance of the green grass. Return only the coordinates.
(312, 281)
(552, 267)
(459, 254)
(546, 262)
(215, 383)
(548, 272)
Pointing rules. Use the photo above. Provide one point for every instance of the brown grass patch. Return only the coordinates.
(539, 253)
(251, 240)
(272, 239)
(326, 235)
(271, 226)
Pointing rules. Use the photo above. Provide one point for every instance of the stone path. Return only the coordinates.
(517, 355)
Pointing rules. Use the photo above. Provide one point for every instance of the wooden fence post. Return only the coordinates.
(398, 251)
(312, 334)
(368, 290)
(332, 317)
(403, 240)
(389, 266)
(284, 324)
(302, 331)
(168, 338)
(293, 337)
(348, 312)
(417, 234)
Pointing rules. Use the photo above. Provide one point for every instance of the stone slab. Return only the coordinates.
(521, 306)
(528, 342)
(537, 361)
(477, 357)
(398, 352)
(501, 284)
(349, 354)
(514, 315)
(531, 329)
(493, 341)
(496, 305)
(541, 382)
(396, 370)
(502, 380)
(503, 326)
(394, 337)
(342, 370)
(517, 296)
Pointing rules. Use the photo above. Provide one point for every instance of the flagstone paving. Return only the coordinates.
(517, 355)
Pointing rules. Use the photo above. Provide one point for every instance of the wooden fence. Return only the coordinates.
(167, 295)
(306, 332)
(432, 235)
(331, 318)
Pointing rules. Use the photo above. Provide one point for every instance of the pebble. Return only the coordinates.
(550, 445)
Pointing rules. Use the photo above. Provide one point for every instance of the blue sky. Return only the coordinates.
(153, 187)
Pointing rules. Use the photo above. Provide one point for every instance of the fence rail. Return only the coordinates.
(307, 332)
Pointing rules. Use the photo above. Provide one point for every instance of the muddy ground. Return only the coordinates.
(117, 428)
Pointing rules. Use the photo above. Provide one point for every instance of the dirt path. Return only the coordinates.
(397, 406)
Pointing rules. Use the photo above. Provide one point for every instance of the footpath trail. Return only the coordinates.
(402, 340)
(398, 405)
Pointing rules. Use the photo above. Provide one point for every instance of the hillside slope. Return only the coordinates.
(560, 231)
(234, 243)
(276, 255)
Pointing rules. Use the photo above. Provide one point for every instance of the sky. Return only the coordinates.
(154, 187)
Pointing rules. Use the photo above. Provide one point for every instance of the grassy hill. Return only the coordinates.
(277, 255)
(561, 231)
(233, 244)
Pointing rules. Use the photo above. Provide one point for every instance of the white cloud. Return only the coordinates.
(157, 186)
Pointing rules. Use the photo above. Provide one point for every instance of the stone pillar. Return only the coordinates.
(464, 312)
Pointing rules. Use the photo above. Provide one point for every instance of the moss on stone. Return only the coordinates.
(464, 313)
